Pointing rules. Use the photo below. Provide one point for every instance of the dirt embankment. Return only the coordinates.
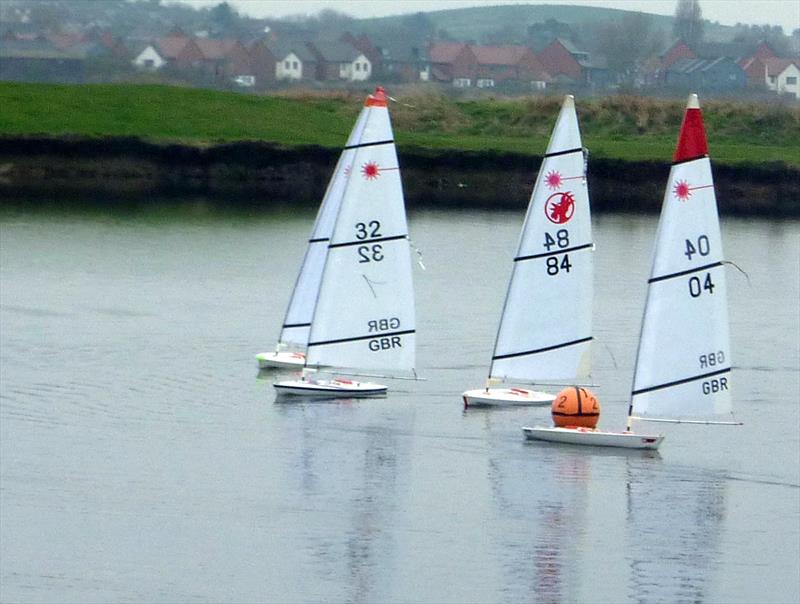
(251, 173)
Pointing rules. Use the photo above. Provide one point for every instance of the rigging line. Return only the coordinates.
(554, 253)
(738, 268)
(418, 252)
(685, 421)
(705, 267)
(538, 350)
(680, 382)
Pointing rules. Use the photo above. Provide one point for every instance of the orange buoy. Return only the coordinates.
(575, 407)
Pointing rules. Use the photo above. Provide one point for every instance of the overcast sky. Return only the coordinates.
(728, 12)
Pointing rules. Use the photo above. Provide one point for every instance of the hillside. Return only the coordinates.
(627, 128)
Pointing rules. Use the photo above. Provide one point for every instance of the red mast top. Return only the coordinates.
(377, 98)
(692, 139)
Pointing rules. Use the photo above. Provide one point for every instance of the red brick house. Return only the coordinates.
(501, 64)
(563, 61)
(453, 62)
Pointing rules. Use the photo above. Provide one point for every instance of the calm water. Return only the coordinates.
(143, 460)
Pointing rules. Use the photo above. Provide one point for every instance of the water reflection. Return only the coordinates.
(351, 471)
(674, 519)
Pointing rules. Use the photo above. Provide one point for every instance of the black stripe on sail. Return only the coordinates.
(554, 253)
(538, 350)
(686, 161)
(680, 382)
(365, 241)
(357, 338)
(293, 325)
(372, 144)
(319, 239)
(566, 152)
(705, 267)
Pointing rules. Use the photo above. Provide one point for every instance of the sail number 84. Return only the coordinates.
(561, 240)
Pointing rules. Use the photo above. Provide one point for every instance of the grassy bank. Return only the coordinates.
(626, 128)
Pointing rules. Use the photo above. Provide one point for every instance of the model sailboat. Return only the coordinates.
(545, 331)
(363, 318)
(683, 363)
(290, 350)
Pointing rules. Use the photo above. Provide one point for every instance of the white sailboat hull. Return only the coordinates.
(291, 360)
(594, 438)
(336, 388)
(483, 397)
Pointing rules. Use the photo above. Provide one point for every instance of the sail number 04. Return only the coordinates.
(369, 253)
(561, 240)
(702, 247)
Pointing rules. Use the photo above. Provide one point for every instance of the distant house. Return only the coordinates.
(223, 59)
(755, 70)
(710, 75)
(400, 62)
(176, 51)
(293, 61)
(783, 76)
(263, 63)
(38, 60)
(149, 59)
(564, 62)
(338, 60)
(454, 62)
(498, 65)
(677, 51)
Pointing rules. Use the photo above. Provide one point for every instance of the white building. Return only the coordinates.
(783, 76)
(149, 59)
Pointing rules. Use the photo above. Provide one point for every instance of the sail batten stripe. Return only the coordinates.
(565, 152)
(357, 338)
(319, 239)
(539, 350)
(554, 253)
(293, 325)
(680, 382)
(365, 241)
(372, 144)
(686, 272)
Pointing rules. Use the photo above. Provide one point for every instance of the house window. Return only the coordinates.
(485, 83)
(462, 82)
(286, 64)
(358, 66)
(294, 65)
(791, 81)
(149, 63)
(366, 66)
(772, 79)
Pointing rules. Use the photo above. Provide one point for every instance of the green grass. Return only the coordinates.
(623, 127)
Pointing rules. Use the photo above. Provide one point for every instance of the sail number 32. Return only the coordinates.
(369, 253)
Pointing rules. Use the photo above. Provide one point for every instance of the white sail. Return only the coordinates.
(297, 322)
(364, 314)
(545, 331)
(683, 364)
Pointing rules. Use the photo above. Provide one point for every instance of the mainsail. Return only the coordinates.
(364, 313)
(683, 364)
(545, 332)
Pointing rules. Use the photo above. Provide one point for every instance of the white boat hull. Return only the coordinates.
(488, 397)
(292, 360)
(594, 438)
(335, 388)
